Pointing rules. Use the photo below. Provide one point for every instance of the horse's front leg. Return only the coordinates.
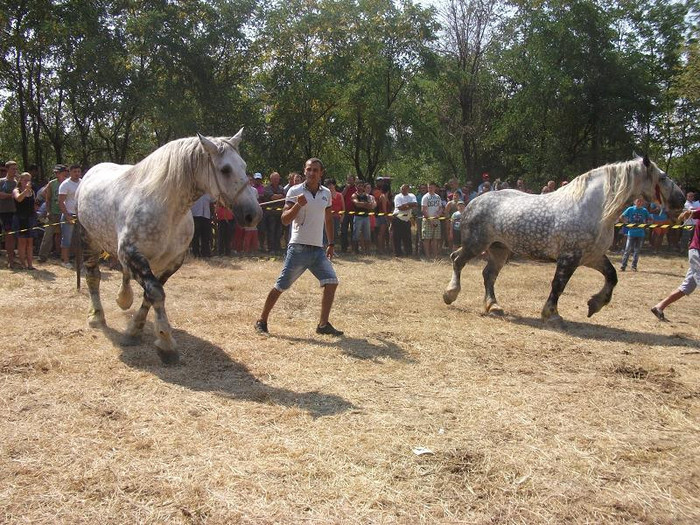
(597, 301)
(154, 295)
(498, 255)
(566, 266)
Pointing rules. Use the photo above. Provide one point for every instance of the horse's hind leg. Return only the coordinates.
(498, 255)
(459, 258)
(596, 302)
(566, 266)
(96, 314)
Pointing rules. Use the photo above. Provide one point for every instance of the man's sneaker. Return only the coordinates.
(327, 329)
(634, 268)
(622, 268)
(261, 327)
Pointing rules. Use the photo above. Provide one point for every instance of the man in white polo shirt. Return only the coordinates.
(308, 209)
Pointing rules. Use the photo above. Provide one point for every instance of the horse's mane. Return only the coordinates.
(169, 171)
(618, 186)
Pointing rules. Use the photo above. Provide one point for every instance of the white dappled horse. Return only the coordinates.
(141, 215)
(572, 226)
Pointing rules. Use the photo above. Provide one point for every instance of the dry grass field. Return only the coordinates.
(594, 422)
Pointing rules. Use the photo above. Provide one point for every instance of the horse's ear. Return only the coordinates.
(208, 145)
(646, 161)
(636, 155)
(236, 139)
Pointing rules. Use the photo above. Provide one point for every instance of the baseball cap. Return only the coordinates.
(60, 167)
(10, 163)
(485, 176)
(257, 176)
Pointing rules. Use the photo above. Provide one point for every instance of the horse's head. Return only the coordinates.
(227, 179)
(659, 187)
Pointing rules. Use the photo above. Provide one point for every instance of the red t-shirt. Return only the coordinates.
(695, 243)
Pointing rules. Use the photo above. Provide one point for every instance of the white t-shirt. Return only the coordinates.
(68, 188)
(433, 203)
(307, 226)
(691, 206)
(399, 200)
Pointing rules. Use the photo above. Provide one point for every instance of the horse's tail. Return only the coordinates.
(77, 242)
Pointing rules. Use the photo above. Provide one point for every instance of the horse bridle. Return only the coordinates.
(216, 180)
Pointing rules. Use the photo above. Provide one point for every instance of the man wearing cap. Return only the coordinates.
(7, 209)
(52, 231)
(484, 178)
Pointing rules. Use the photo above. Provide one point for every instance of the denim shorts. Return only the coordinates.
(361, 229)
(66, 232)
(302, 257)
(692, 277)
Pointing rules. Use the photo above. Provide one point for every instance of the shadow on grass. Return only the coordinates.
(205, 367)
(605, 333)
(359, 348)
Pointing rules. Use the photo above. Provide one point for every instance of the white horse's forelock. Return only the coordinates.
(170, 170)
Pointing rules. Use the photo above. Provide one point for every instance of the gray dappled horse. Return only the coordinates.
(141, 215)
(573, 226)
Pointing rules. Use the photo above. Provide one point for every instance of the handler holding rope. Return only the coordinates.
(308, 209)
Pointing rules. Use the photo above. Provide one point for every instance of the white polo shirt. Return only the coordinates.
(307, 226)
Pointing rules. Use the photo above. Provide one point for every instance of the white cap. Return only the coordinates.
(257, 176)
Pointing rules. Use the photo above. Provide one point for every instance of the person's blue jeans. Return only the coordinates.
(633, 246)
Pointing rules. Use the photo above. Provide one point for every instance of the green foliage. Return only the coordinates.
(538, 89)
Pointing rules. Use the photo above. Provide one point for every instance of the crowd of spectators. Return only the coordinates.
(420, 220)
(37, 216)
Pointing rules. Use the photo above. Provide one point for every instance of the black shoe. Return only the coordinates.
(328, 329)
(659, 314)
(261, 327)
(622, 268)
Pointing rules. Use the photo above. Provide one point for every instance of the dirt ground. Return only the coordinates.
(422, 413)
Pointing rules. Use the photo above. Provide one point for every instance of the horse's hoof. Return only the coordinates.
(96, 321)
(168, 357)
(555, 321)
(449, 296)
(125, 300)
(594, 307)
(495, 310)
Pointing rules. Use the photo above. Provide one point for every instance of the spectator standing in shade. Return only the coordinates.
(404, 204)
(689, 224)
(484, 179)
(692, 276)
(52, 231)
(455, 223)
(363, 203)
(431, 206)
(224, 229)
(201, 212)
(7, 209)
(273, 213)
(24, 220)
(68, 205)
(636, 214)
(337, 208)
(308, 209)
(346, 227)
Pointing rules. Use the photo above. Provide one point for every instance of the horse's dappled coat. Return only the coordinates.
(572, 226)
(141, 215)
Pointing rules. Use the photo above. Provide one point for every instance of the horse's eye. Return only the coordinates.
(226, 170)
